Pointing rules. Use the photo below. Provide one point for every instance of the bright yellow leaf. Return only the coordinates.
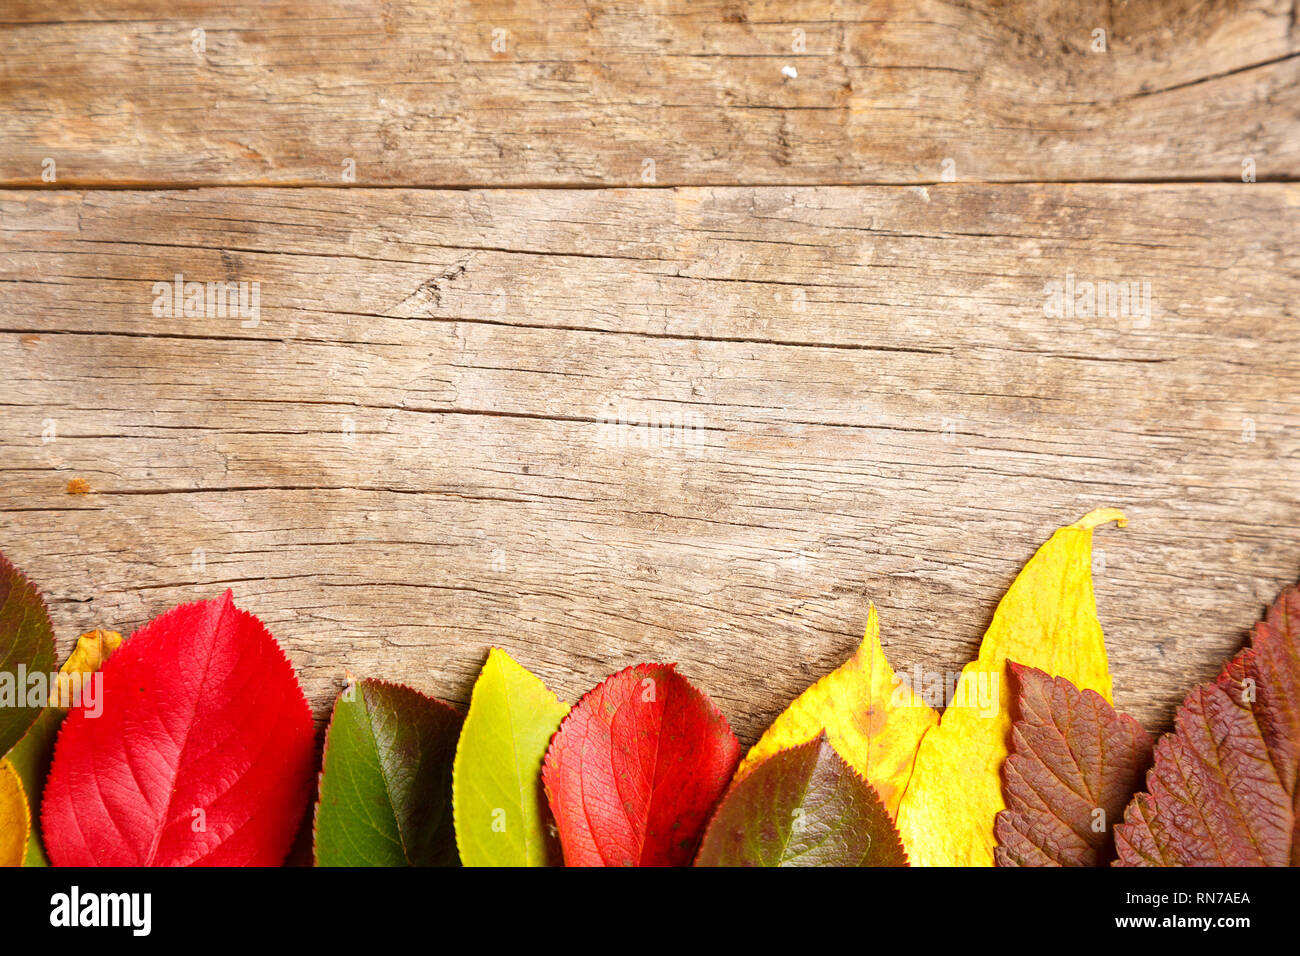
(1048, 620)
(872, 719)
(15, 820)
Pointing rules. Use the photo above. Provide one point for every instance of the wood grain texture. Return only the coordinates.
(584, 91)
(410, 455)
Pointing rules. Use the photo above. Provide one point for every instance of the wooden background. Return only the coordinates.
(437, 436)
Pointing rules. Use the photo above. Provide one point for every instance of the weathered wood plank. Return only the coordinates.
(414, 93)
(409, 456)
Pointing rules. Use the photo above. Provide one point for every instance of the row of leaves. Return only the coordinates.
(201, 751)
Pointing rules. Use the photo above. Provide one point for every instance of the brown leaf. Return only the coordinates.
(1075, 762)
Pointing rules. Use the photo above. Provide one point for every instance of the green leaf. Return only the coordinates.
(501, 814)
(31, 760)
(385, 783)
(26, 642)
(802, 807)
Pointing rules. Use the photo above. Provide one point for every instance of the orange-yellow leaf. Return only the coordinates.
(15, 821)
(873, 721)
(1048, 620)
(31, 755)
(92, 650)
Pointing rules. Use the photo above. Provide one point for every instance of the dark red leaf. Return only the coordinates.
(1074, 763)
(202, 755)
(1223, 788)
(635, 769)
(1273, 664)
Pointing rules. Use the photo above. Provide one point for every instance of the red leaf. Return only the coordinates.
(203, 754)
(1075, 762)
(1223, 790)
(1273, 663)
(635, 769)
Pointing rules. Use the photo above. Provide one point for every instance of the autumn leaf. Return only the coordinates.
(385, 783)
(31, 756)
(15, 819)
(500, 808)
(26, 648)
(802, 807)
(1047, 619)
(871, 718)
(1223, 790)
(635, 768)
(202, 754)
(1075, 762)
